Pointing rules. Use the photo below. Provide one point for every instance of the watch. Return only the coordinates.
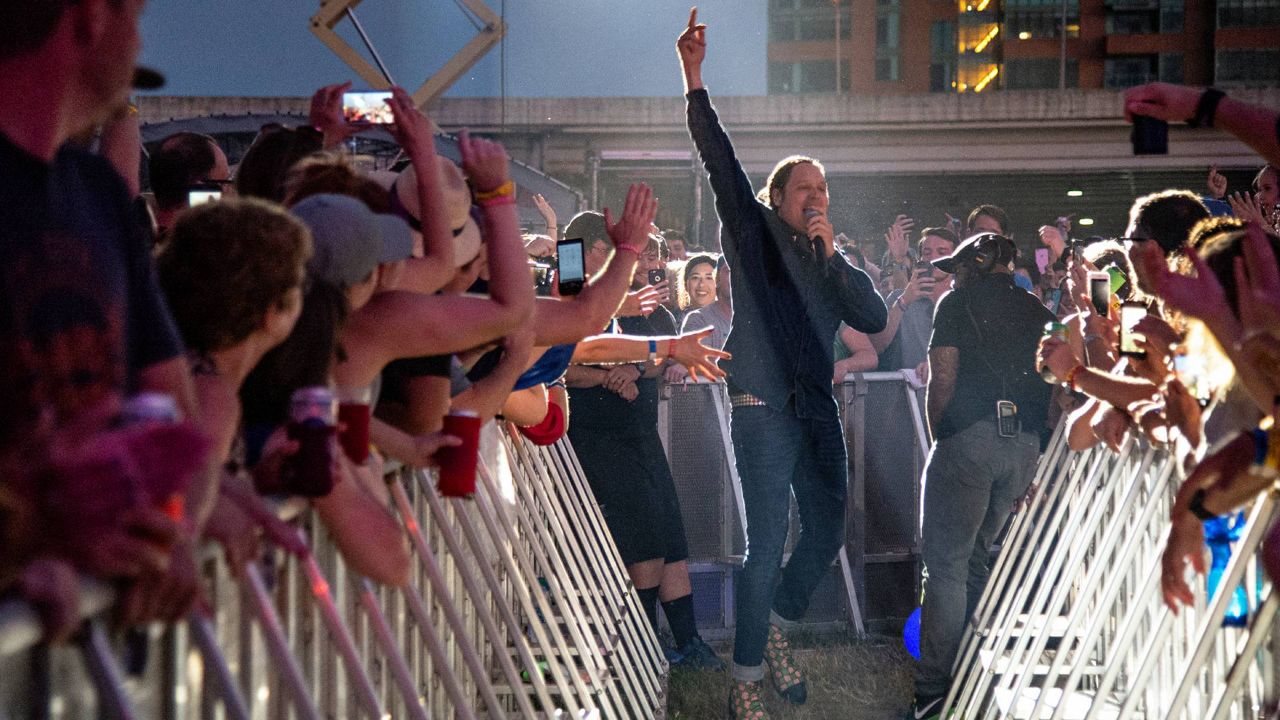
(1197, 508)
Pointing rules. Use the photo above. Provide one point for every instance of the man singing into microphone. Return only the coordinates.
(791, 290)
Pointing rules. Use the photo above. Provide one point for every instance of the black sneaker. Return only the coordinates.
(926, 708)
(698, 655)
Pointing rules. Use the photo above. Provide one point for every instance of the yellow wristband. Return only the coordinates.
(506, 189)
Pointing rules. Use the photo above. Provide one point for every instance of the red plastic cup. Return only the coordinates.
(458, 464)
(353, 418)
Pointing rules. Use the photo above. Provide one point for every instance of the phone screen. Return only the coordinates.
(1130, 314)
(1100, 292)
(1042, 259)
(367, 108)
(570, 257)
(200, 197)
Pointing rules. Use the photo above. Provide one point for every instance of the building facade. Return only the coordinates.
(916, 46)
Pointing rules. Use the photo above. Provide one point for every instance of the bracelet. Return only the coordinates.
(653, 351)
(671, 348)
(627, 247)
(1197, 508)
(1070, 379)
(506, 189)
(1206, 108)
(498, 201)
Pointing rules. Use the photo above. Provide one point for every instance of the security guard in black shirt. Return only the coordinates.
(987, 407)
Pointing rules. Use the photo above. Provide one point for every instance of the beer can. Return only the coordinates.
(313, 403)
(156, 407)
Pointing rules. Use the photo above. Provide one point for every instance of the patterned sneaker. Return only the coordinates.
(698, 655)
(787, 678)
(745, 702)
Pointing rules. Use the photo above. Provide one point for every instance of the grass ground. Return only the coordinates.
(848, 678)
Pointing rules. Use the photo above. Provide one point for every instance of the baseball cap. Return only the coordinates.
(350, 239)
(403, 188)
(983, 249)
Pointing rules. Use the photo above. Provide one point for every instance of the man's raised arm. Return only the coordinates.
(734, 197)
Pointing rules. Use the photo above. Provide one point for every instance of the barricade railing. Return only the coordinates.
(1073, 623)
(518, 605)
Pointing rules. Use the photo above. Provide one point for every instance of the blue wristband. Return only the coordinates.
(653, 351)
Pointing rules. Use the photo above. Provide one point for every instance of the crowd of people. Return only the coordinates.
(162, 360)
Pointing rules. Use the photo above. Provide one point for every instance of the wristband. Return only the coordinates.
(1206, 108)
(506, 189)
(1070, 379)
(498, 201)
(1197, 508)
(627, 247)
(671, 348)
(653, 352)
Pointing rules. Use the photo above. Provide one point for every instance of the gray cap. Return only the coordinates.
(350, 239)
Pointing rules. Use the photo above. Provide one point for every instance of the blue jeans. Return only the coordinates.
(779, 454)
(971, 483)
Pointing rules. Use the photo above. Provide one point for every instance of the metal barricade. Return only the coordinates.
(1073, 624)
(885, 438)
(517, 606)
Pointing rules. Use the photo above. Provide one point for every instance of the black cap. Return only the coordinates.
(983, 250)
(144, 78)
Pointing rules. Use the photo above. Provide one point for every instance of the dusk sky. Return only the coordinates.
(554, 48)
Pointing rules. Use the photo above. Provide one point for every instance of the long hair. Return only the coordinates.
(781, 173)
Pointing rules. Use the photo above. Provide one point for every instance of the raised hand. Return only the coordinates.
(640, 302)
(631, 231)
(697, 358)
(412, 129)
(484, 161)
(548, 214)
(326, 115)
(1258, 284)
(1245, 206)
(1171, 103)
(898, 237)
(1216, 183)
(692, 49)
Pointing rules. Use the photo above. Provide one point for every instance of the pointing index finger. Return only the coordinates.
(693, 16)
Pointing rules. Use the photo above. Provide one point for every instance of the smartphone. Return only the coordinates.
(1131, 313)
(1042, 259)
(657, 275)
(367, 108)
(925, 268)
(1150, 136)
(202, 194)
(1007, 419)
(571, 274)
(1191, 373)
(1100, 292)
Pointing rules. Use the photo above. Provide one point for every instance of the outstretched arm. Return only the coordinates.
(1258, 127)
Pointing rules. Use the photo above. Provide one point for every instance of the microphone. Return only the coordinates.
(815, 241)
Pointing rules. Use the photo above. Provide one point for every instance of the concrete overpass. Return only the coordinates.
(916, 153)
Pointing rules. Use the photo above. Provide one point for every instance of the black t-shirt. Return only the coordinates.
(599, 408)
(996, 326)
(80, 310)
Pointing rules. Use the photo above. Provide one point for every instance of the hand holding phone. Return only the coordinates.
(201, 194)
(656, 276)
(571, 273)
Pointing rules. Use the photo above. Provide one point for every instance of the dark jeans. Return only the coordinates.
(777, 454)
(971, 483)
